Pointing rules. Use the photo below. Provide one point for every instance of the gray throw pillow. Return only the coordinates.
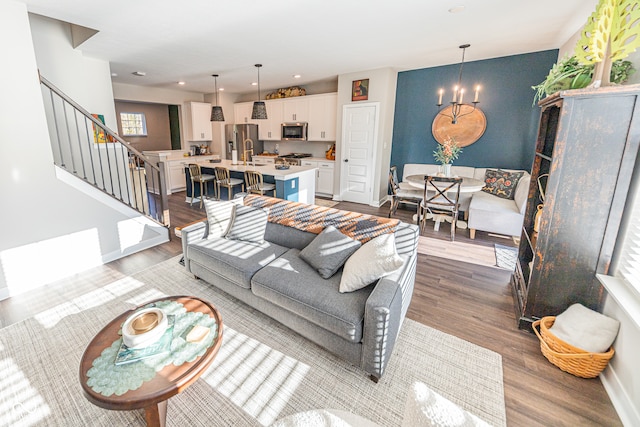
(329, 251)
(249, 224)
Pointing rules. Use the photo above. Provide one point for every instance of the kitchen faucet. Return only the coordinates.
(247, 149)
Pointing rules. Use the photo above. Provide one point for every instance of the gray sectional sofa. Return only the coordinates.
(270, 275)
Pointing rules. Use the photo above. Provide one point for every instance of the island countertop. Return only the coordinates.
(265, 169)
(297, 184)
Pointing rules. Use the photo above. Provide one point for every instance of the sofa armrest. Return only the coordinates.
(384, 313)
(190, 234)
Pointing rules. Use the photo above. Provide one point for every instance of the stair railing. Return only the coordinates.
(85, 147)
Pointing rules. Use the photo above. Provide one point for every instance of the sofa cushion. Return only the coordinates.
(329, 251)
(291, 283)
(249, 224)
(501, 183)
(235, 260)
(375, 259)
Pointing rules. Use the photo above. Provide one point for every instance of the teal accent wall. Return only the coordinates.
(506, 99)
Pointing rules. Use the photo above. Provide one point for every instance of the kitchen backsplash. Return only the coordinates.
(316, 149)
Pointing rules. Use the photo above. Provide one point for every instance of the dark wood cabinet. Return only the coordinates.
(586, 151)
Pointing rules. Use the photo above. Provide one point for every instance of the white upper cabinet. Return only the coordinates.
(198, 121)
(317, 110)
(296, 109)
(322, 117)
(269, 130)
(242, 113)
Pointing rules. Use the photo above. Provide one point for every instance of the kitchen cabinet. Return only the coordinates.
(198, 121)
(242, 113)
(176, 176)
(322, 117)
(270, 129)
(584, 158)
(296, 109)
(324, 176)
(270, 160)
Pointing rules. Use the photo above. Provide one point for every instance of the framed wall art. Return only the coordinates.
(360, 90)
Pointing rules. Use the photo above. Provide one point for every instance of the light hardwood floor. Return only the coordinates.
(458, 294)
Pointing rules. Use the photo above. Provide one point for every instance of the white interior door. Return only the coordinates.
(359, 136)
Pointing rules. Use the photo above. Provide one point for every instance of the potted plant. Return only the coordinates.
(446, 153)
(569, 73)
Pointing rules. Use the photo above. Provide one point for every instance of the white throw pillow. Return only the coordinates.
(374, 259)
(219, 215)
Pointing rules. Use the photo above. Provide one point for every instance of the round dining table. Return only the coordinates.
(468, 185)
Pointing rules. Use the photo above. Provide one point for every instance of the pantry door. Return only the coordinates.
(359, 140)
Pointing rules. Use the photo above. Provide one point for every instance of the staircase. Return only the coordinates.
(83, 146)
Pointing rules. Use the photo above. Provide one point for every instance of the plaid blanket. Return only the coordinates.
(314, 218)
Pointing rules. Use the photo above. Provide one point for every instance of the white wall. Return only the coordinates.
(382, 89)
(47, 223)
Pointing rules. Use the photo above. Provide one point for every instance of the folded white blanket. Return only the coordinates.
(586, 329)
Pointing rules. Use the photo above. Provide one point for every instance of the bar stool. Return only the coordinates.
(223, 179)
(255, 183)
(197, 176)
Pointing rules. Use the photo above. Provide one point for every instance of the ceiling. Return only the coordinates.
(189, 41)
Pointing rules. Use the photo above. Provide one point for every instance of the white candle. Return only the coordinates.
(440, 97)
(461, 94)
(477, 90)
(455, 93)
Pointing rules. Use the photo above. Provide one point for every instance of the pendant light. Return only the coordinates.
(259, 108)
(458, 93)
(216, 111)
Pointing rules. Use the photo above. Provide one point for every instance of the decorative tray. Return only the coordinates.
(282, 167)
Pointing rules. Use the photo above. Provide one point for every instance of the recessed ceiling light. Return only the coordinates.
(254, 84)
(181, 83)
(456, 9)
(114, 74)
(220, 89)
(139, 73)
(296, 76)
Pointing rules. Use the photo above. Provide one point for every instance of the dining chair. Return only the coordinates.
(402, 194)
(202, 179)
(255, 183)
(224, 179)
(439, 201)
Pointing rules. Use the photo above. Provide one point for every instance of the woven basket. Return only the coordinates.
(567, 357)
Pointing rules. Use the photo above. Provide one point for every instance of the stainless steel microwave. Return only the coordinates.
(294, 131)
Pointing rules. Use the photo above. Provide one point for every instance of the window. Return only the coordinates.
(133, 124)
(627, 265)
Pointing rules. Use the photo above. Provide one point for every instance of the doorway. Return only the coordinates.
(359, 143)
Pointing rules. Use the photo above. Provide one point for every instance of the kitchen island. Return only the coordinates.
(296, 184)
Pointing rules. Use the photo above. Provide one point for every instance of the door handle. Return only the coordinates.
(346, 160)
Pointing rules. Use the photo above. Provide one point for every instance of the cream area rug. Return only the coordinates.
(263, 371)
(470, 253)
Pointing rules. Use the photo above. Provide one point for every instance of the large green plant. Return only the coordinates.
(571, 74)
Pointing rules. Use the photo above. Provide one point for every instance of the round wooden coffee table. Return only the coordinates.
(171, 380)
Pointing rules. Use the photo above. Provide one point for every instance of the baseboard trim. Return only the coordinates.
(621, 401)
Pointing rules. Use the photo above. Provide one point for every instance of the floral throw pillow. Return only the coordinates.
(501, 183)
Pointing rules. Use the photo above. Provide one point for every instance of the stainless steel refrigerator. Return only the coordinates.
(236, 135)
